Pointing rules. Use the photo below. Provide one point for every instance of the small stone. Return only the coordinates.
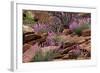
(85, 53)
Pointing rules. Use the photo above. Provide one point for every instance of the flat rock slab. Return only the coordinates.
(26, 47)
(30, 53)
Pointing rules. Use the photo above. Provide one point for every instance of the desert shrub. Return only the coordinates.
(40, 56)
(79, 29)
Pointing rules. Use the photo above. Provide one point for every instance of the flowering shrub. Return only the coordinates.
(55, 28)
(41, 27)
(77, 23)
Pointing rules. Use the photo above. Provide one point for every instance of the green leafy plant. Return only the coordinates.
(28, 17)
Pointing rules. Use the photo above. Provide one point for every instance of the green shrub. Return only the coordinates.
(28, 17)
(40, 56)
(79, 30)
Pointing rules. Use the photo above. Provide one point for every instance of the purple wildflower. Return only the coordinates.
(73, 25)
(41, 27)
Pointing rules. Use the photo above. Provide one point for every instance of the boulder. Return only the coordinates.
(27, 29)
(30, 53)
(30, 37)
(74, 53)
